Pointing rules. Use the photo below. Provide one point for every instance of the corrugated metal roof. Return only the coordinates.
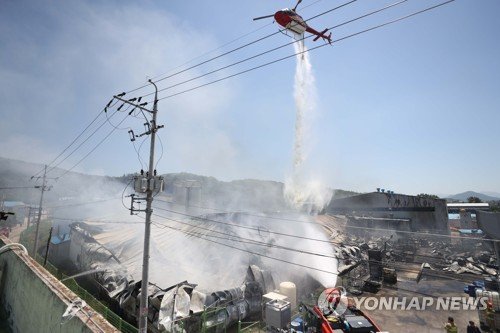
(467, 204)
(183, 254)
(13, 203)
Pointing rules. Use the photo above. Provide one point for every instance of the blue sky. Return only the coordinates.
(412, 106)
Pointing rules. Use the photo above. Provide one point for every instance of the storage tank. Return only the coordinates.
(288, 289)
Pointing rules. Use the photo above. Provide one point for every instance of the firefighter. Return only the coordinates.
(490, 316)
(472, 328)
(450, 326)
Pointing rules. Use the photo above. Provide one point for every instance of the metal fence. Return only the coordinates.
(213, 319)
(110, 316)
(251, 327)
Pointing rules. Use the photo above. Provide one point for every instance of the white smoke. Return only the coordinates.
(302, 190)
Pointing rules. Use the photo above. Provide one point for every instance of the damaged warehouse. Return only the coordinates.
(211, 271)
(197, 285)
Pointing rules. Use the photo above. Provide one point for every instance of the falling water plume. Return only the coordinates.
(302, 191)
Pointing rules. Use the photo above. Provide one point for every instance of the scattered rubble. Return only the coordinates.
(439, 255)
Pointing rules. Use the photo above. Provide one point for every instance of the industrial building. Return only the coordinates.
(390, 210)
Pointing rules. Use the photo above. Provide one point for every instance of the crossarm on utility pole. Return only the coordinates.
(135, 104)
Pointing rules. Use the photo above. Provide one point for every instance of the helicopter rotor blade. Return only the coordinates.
(298, 2)
(263, 17)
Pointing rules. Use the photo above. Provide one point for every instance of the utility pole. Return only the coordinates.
(30, 210)
(28, 218)
(152, 182)
(144, 306)
(43, 188)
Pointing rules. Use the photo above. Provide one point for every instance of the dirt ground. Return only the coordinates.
(423, 321)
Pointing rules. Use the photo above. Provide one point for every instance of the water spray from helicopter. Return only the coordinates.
(302, 191)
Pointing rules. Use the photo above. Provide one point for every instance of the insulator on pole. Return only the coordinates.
(132, 136)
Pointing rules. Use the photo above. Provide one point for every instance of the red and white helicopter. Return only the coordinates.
(290, 20)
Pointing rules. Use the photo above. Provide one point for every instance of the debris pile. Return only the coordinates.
(446, 256)
(481, 263)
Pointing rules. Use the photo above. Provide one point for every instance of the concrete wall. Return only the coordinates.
(35, 300)
(424, 213)
(58, 253)
(489, 223)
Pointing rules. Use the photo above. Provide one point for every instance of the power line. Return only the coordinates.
(252, 57)
(214, 231)
(206, 61)
(108, 119)
(290, 220)
(138, 152)
(284, 58)
(218, 48)
(287, 44)
(84, 203)
(277, 218)
(72, 142)
(309, 50)
(267, 217)
(209, 60)
(93, 149)
(368, 14)
(247, 227)
(247, 240)
(235, 238)
(83, 220)
(244, 250)
(81, 143)
(281, 46)
(295, 54)
(422, 233)
(258, 229)
(238, 48)
(203, 236)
